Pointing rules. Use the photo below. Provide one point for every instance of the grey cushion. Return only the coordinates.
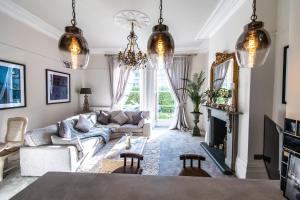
(83, 124)
(130, 115)
(103, 117)
(41, 136)
(120, 118)
(137, 118)
(64, 130)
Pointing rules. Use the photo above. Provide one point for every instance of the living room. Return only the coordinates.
(75, 102)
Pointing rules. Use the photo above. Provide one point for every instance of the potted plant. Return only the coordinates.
(198, 97)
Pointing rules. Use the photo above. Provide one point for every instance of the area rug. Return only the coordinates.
(150, 164)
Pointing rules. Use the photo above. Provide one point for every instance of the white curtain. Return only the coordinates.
(179, 70)
(118, 76)
(220, 72)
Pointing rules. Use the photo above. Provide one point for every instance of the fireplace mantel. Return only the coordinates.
(232, 120)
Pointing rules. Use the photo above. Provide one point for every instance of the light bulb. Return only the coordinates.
(160, 48)
(74, 48)
(251, 46)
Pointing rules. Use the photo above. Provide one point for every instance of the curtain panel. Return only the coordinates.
(118, 76)
(179, 70)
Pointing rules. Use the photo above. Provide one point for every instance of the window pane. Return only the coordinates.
(131, 100)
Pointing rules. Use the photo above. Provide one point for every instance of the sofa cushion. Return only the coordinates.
(41, 136)
(137, 118)
(127, 128)
(64, 130)
(89, 143)
(83, 124)
(103, 117)
(120, 118)
(56, 140)
(130, 115)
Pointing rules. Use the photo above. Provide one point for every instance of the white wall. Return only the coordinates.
(22, 44)
(255, 88)
(293, 98)
(282, 39)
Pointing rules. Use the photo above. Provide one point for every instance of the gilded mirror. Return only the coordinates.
(224, 82)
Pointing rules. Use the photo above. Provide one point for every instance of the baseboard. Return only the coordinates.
(240, 168)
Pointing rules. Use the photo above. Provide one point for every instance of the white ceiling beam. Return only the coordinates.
(224, 10)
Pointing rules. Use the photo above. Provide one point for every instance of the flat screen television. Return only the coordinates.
(271, 157)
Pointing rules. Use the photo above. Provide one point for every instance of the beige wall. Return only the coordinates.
(22, 44)
(293, 99)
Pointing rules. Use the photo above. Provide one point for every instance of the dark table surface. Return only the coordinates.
(73, 186)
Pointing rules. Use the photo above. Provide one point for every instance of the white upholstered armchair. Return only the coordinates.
(14, 138)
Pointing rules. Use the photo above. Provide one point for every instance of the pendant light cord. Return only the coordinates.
(254, 16)
(160, 20)
(73, 21)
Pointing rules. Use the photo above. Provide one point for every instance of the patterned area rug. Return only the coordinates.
(150, 164)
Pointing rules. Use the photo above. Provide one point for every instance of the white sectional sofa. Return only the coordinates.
(45, 151)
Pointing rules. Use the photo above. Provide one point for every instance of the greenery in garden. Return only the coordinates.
(166, 102)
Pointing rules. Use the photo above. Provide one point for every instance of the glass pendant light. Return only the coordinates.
(161, 44)
(253, 45)
(73, 48)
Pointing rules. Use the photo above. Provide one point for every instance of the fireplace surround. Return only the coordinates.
(221, 138)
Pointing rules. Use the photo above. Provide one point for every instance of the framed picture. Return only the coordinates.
(290, 126)
(58, 87)
(12, 85)
(292, 191)
(284, 74)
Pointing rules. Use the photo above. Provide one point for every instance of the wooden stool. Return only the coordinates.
(130, 169)
(192, 171)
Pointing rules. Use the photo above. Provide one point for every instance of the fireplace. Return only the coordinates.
(221, 138)
(218, 132)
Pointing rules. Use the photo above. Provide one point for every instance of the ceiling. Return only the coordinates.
(96, 18)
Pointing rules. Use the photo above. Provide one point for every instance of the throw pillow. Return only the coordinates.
(137, 118)
(120, 118)
(64, 130)
(83, 124)
(103, 117)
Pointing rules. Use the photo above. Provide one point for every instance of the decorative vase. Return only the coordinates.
(196, 130)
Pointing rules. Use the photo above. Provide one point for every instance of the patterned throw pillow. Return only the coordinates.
(137, 118)
(83, 124)
(64, 130)
(120, 118)
(103, 117)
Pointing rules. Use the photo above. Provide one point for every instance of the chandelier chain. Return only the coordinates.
(160, 20)
(73, 20)
(254, 16)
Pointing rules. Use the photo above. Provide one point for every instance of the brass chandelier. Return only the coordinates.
(132, 57)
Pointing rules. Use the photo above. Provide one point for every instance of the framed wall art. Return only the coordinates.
(12, 85)
(58, 87)
(284, 74)
(292, 191)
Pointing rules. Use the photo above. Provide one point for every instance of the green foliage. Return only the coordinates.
(194, 89)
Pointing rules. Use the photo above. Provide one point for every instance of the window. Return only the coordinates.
(131, 100)
(165, 102)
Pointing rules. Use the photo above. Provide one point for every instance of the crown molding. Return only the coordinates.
(17, 12)
(224, 10)
(199, 49)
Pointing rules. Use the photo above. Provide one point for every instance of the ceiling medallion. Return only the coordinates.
(73, 48)
(253, 45)
(161, 45)
(132, 57)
